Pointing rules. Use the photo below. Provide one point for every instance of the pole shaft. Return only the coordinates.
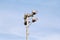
(27, 28)
(26, 33)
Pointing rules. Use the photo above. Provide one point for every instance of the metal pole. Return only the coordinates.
(27, 22)
(27, 27)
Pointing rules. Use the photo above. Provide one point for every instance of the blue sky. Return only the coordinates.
(11, 19)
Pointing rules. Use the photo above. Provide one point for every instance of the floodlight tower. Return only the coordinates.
(27, 22)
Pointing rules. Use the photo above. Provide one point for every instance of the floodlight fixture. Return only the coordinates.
(25, 22)
(34, 12)
(25, 16)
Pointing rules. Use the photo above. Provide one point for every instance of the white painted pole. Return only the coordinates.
(27, 29)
